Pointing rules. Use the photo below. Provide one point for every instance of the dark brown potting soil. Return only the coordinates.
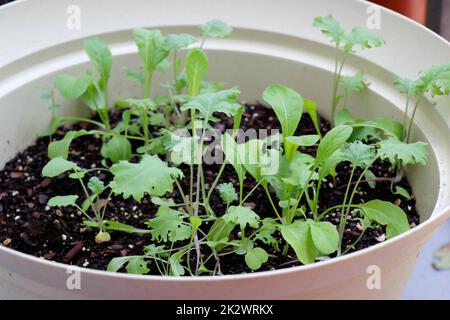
(28, 225)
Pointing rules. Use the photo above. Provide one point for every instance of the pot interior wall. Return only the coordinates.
(262, 59)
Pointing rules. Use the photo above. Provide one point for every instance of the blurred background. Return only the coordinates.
(431, 276)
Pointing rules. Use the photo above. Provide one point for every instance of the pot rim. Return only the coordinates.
(435, 218)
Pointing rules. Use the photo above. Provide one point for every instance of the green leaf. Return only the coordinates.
(112, 225)
(60, 148)
(116, 149)
(150, 175)
(163, 202)
(72, 87)
(311, 107)
(179, 41)
(227, 192)
(135, 265)
(137, 76)
(408, 153)
(231, 152)
(215, 29)
(298, 235)
(94, 97)
(325, 236)
(343, 116)
(255, 258)
(224, 101)
(242, 216)
(332, 141)
(402, 192)
(101, 57)
(176, 268)
(96, 185)
(389, 127)
(62, 201)
(330, 27)
(220, 233)
(265, 233)
(151, 47)
(362, 38)
(287, 105)
(146, 104)
(406, 86)
(195, 68)
(371, 177)
(356, 83)
(57, 166)
(169, 224)
(358, 154)
(303, 141)
(388, 214)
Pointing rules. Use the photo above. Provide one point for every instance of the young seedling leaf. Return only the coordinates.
(57, 166)
(255, 258)
(96, 185)
(330, 27)
(150, 175)
(388, 214)
(195, 68)
(227, 192)
(117, 226)
(287, 105)
(402, 192)
(179, 41)
(407, 153)
(332, 141)
(151, 47)
(298, 235)
(134, 265)
(242, 216)
(224, 101)
(116, 149)
(176, 268)
(311, 107)
(325, 236)
(356, 83)
(62, 201)
(163, 202)
(169, 224)
(72, 87)
(358, 154)
(215, 29)
(101, 57)
(362, 38)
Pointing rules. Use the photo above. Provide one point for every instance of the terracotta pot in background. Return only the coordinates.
(414, 9)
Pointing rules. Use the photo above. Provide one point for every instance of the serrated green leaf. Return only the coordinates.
(227, 192)
(358, 154)
(150, 175)
(151, 47)
(215, 29)
(356, 83)
(134, 265)
(168, 224)
(176, 267)
(408, 153)
(179, 41)
(362, 38)
(330, 27)
(242, 216)
(96, 185)
(207, 104)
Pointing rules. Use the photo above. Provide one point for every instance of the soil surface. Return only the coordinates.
(28, 225)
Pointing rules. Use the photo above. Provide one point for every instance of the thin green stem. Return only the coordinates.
(343, 218)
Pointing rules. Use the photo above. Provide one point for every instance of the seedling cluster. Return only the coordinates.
(185, 237)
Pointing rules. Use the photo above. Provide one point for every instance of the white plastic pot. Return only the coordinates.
(273, 42)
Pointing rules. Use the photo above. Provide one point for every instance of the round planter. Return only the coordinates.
(273, 42)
